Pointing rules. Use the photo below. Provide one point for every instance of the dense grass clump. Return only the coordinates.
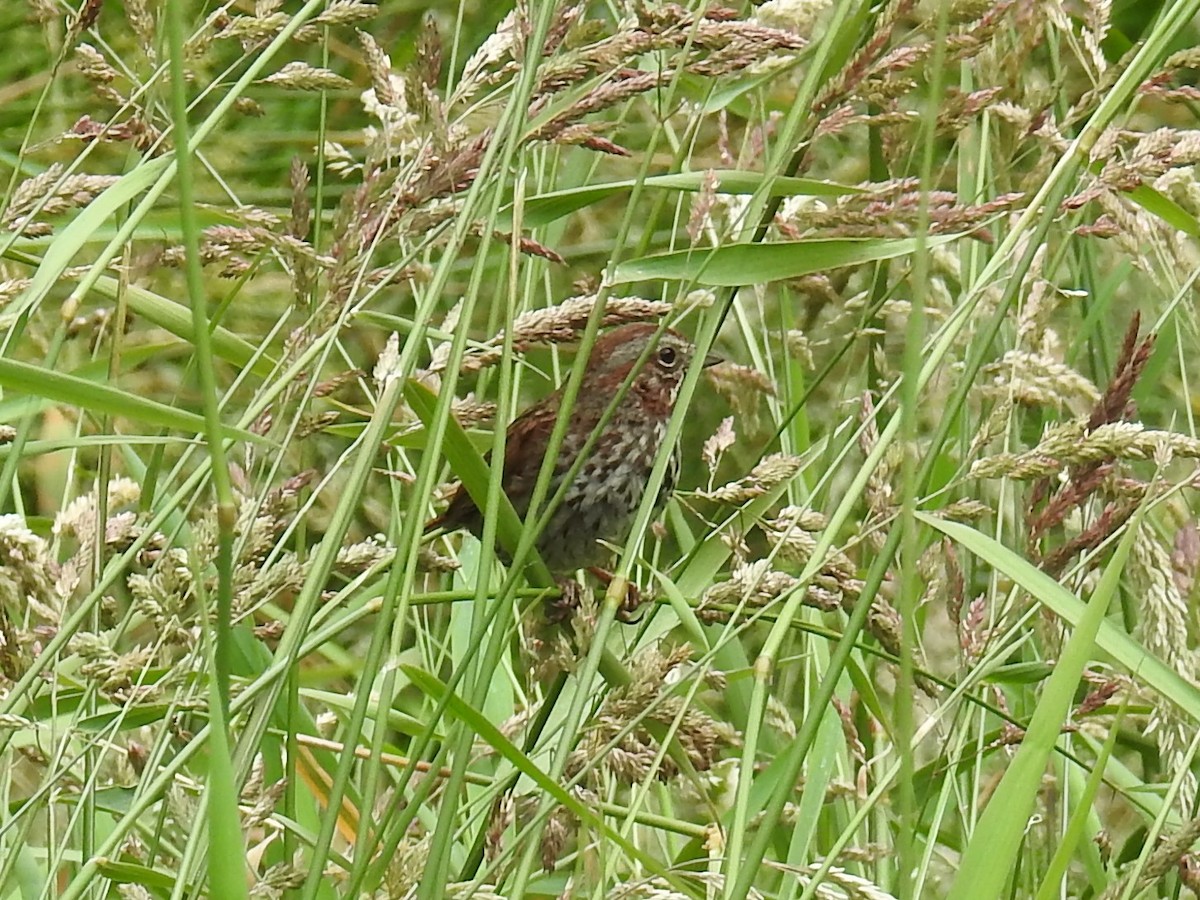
(918, 620)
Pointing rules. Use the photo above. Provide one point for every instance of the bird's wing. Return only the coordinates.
(526, 438)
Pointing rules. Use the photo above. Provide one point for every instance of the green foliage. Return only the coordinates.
(918, 621)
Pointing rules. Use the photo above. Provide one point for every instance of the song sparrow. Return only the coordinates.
(601, 503)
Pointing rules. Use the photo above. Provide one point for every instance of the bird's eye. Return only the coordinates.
(667, 357)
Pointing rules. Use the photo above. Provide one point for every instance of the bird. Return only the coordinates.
(603, 498)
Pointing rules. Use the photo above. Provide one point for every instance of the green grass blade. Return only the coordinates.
(80, 229)
(542, 209)
(489, 733)
(991, 856)
(741, 264)
(1056, 871)
(100, 398)
(1148, 668)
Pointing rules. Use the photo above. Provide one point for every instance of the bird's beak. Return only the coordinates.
(712, 359)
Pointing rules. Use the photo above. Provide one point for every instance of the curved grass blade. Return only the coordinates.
(1149, 669)
(168, 314)
(990, 857)
(1159, 204)
(735, 265)
(543, 209)
(95, 370)
(80, 229)
(490, 734)
(75, 391)
(177, 319)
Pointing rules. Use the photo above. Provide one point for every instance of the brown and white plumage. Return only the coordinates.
(605, 494)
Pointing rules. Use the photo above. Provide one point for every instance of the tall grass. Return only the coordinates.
(919, 622)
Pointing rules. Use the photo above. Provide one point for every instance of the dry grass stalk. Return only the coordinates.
(1108, 523)
(558, 325)
(619, 743)
(716, 445)
(299, 76)
(1185, 557)
(1035, 379)
(879, 494)
(1071, 496)
(134, 129)
(744, 388)
(50, 194)
(89, 12)
(772, 471)
(1096, 699)
(1089, 450)
(530, 247)
(338, 13)
(1153, 154)
(712, 44)
(142, 21)
(1063, 446)
(379, 65)
(852, 74)
(43, 11)
(956, 589)
(26, 585)
(252, 31)
(892, 214)
(755, 586)
(1165, 615)
(1115, 404)
(1166, 856)
(92, 65)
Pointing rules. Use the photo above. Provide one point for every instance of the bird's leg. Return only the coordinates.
(560, 609)
(627, 611)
